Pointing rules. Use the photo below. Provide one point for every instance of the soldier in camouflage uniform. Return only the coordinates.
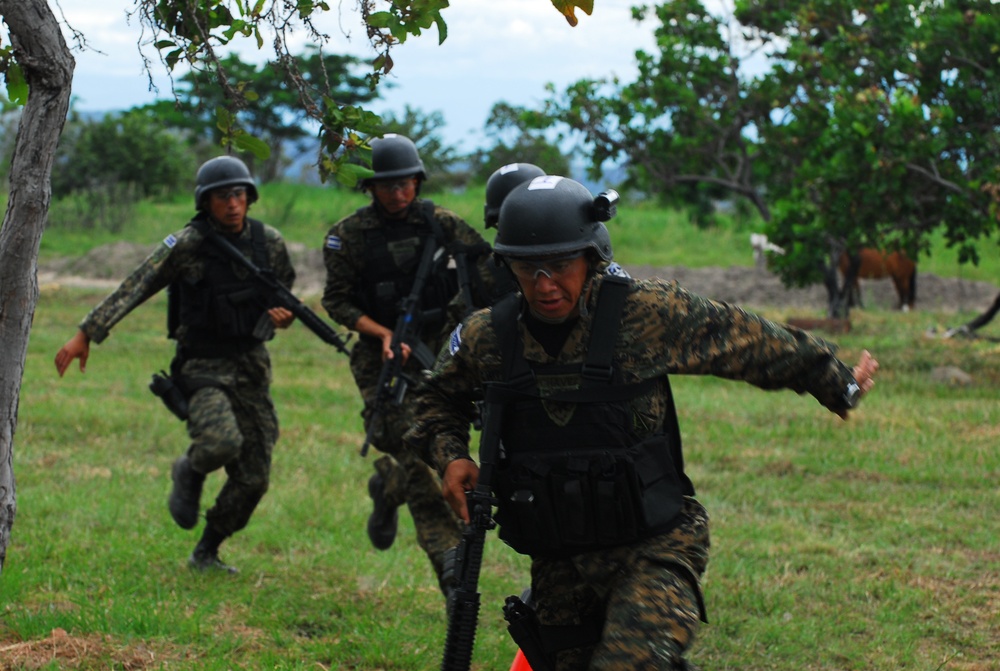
(371, 260)
(590, 480)
(220, 322)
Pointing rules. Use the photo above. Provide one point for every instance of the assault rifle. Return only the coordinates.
(463, 604)
(281, 296)
(392, 381)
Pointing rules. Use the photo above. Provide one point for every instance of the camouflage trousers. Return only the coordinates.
(233, 426)
(647, 594)
(408, 479)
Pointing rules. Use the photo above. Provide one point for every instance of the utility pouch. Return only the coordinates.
(579, 500)
(163, 386)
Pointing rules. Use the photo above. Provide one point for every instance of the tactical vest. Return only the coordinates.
(593, 482)
(390, 259)
(220, 311)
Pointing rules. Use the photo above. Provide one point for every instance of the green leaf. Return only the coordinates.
(442, 29)
(17, 87)
(173, 58)
(358, 172)
(255, 146)
(236, 27)
(568, 7)
(381, 20)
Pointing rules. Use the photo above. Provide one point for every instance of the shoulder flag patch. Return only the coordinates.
(455, 341)
(170, 241)
(616, 270)
(333, 242)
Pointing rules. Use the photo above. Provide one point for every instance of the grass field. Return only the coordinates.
(867, 545)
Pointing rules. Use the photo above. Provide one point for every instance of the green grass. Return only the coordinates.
(867, 545)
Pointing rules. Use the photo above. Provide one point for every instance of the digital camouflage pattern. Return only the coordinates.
(647, 591)
(647, 594)
(406, 477)
(236, 428)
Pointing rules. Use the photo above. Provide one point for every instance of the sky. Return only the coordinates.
(496, 50)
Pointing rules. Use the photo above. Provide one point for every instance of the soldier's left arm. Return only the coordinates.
(696, 335)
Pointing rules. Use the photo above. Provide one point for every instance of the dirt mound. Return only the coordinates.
(752, 287)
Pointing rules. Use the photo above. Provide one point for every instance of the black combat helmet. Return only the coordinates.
(222, 171)
(551, 215)
(501, 182)
(395, 156)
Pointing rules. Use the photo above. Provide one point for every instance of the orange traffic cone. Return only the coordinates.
(520, 662)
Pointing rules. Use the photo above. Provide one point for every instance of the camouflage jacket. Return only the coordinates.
(344, 257)
(176, 257)
(665, 330)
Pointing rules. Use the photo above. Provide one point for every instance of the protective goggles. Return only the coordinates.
(394, 185)
(554, 269)
(225, 194)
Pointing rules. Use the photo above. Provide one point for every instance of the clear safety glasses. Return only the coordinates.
(555, 269)
(395, 185)
(238, 193)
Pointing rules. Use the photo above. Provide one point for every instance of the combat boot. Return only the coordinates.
(384, 520)
(203, 561)
(185, 496)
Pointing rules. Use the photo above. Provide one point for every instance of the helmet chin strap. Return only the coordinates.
(585, 292)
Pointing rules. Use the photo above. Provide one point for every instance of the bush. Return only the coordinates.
(122, 149)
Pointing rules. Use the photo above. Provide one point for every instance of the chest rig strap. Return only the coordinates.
(258, 241)
(597, 370)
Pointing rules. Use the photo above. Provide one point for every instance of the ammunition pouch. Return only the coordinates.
(561, 503)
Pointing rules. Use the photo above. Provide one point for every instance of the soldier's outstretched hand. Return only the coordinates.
(864, 375)
(864, 372)
(77, 347)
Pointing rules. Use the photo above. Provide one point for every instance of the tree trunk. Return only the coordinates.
(41, 51)
(837, 296)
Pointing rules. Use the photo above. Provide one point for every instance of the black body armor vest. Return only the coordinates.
(220, 311)
(593, 482)
(391, 258)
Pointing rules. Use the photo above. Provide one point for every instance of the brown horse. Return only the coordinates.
(875, 265)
